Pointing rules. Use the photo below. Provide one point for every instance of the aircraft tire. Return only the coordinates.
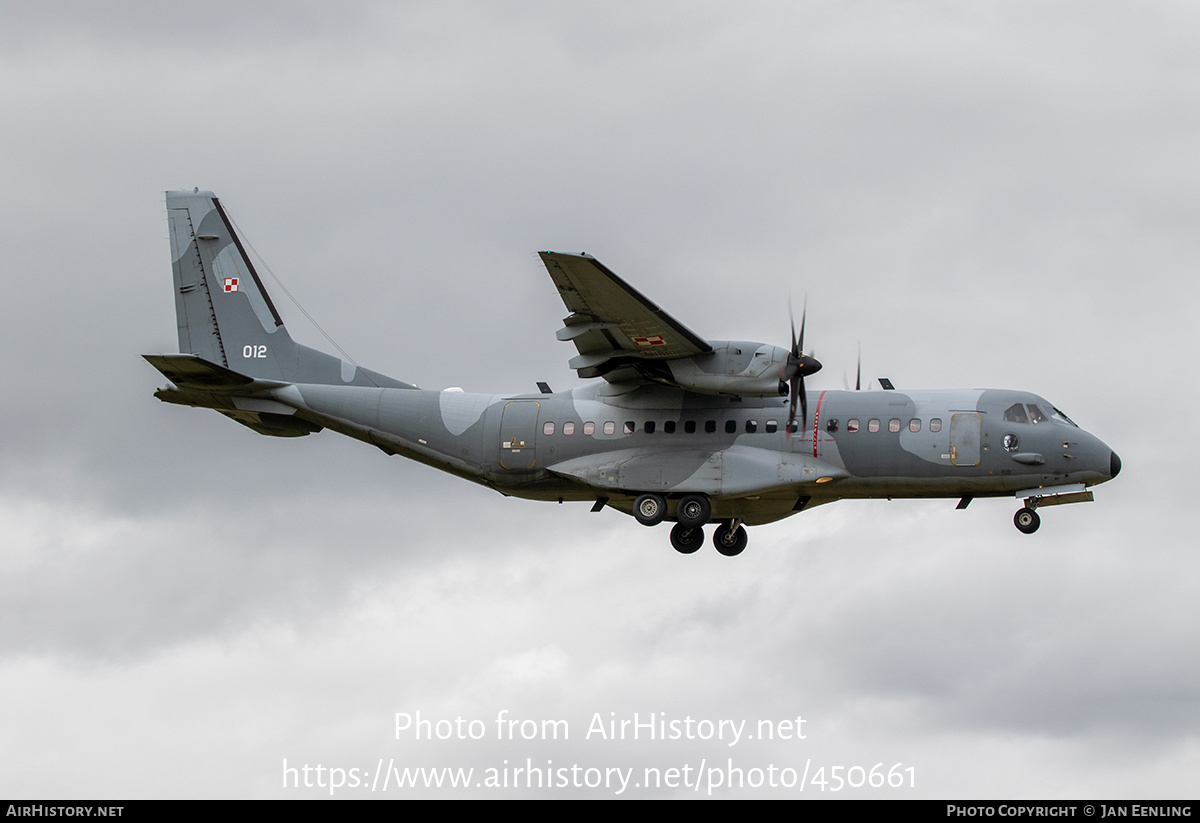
(686, 539)
(730, 542)
(650, 509)
(693, 510)
(1026, 520)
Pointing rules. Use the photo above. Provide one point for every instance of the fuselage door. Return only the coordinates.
(518, 434)
(964, 438)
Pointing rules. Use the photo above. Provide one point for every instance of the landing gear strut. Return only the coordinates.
(1027, 520)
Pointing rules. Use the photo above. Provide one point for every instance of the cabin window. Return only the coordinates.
(873, 425)
(649, 427)
(730, 426)
(568, 428)
(548, 429)
(710, 426)
(935, 425)
(630, 427)
(610, 427)
(894, 424)
(589, 428)
(751, 426)
(852, 425)
(669, 427)
(1015, 414)
(914, 425)
(772, 426)
(689, 427)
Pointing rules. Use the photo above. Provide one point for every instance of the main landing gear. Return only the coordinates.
(687, 539)
(731, 538)
(691, 513)
(650, 509)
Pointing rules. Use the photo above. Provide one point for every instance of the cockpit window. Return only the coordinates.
(1062, 418)
(1015, 414)
(1036, 414)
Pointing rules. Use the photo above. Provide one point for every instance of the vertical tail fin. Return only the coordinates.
(224, 313)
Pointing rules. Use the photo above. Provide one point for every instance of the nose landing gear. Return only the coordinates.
(1027, 520)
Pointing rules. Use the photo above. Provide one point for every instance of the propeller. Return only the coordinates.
(798, 367)
(857, 374)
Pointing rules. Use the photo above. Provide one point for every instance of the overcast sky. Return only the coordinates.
(983, 194)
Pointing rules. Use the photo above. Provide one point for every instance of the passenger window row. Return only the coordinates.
(874, 424)
(731, 426)
(668, 427)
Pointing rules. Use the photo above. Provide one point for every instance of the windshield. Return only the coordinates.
(1062, 418)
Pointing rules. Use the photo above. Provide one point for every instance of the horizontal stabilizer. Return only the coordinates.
(187, 371)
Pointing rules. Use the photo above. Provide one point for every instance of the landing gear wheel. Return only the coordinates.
(730, 541)
(686, 539)
(650, 509)
(693, 510)
(1026, 520)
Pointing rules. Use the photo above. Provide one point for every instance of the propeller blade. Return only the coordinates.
(799, 350)
(792, 320)
(858, 374)
(803, 406)
(794, 384)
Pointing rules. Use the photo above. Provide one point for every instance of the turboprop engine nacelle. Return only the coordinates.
(734, 367)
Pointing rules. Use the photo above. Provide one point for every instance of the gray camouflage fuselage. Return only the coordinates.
(753, 476)
(674, 416)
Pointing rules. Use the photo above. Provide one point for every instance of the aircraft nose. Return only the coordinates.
(1114, 464)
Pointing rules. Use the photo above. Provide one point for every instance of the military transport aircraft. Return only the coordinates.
(679, 428)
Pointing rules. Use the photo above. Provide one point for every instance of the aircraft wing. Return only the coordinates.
(618, 331)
